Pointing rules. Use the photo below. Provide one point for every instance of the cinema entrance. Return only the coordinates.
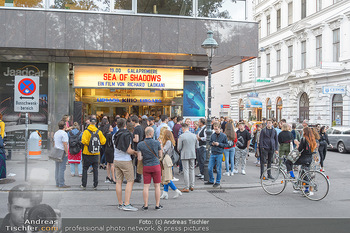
(112, 91)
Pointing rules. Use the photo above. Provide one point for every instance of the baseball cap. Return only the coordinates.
(144, 117)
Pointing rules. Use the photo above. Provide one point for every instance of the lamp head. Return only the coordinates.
(210, 44)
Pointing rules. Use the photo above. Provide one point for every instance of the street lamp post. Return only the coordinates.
(209, 45)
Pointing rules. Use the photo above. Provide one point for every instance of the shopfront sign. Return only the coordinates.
(128, 78)
(333, 90)
(225, 106)
(263, 80)
(128, 100)
(253, 94)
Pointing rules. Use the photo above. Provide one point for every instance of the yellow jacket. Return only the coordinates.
(2, 129)
(85, 139)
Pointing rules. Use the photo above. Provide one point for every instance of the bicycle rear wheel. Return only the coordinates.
(273, 181)
(315, 185)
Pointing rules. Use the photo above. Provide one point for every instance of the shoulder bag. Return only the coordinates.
(294, 154)
(56, 154)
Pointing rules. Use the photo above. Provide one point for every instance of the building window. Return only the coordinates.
(259, 67)
(268, 22)
(303, 9)
(318, 5)
(337, 110)
(290, 58)
(303, 107)
(278, 19)
(336, 45)
(278, 62)
(268, 108)
(259, 29)
(268, 65)
(318, 50)
(240, 109)
(303, 54)
(240, 73)
(279, 106)
(290, 13)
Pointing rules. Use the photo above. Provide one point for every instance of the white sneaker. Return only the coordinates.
(243, 172)
(164, 195)
(256, 162)
(178, 193)
(11, 174)
(231, 174)
(226, 174)
(175, 179)
(235, 171)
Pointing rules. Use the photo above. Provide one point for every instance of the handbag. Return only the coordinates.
(175, 157)
(56, 154)
(294, 155)
(139, 167)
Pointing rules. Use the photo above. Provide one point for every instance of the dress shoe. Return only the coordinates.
(208, 183)
(185, 190)
(191, 188)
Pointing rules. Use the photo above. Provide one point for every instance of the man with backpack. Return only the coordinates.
(92, 140)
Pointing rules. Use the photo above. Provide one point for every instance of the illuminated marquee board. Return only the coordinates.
(128, 78)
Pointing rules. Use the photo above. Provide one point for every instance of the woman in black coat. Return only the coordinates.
(324, 142)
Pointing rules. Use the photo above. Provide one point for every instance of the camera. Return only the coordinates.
(40, 217)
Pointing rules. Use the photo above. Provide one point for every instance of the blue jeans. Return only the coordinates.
(59, 171)
(229, 156)
(172, 186)
(215, 159)
(80, 168)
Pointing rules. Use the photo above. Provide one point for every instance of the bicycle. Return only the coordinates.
(312, 183)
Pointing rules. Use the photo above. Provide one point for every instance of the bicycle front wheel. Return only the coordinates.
(273, 181)
(315, 185)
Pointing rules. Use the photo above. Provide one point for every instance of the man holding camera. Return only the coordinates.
(23, 204)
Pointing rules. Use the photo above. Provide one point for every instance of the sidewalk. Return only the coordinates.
(42, 173)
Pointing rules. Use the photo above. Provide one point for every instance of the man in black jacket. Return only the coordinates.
(218, 142)
(268, 144)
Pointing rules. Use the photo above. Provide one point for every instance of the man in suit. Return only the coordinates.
(187, 145)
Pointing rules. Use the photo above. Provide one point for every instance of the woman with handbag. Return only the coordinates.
(168, 143)
(306, 147)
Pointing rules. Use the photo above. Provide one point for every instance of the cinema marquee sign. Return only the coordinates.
(128, 78)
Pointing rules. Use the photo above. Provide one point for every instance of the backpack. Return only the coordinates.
(74, 143)
(94, 144)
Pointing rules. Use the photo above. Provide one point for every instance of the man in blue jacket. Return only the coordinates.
(218, 142)
(268, 144)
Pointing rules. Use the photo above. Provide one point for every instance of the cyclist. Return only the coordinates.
(306, 147)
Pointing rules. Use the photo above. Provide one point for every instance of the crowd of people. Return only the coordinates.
(134, 148)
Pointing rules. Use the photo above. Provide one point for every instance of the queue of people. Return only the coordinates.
(135, 148)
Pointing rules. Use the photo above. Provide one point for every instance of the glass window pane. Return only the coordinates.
(336, 131)
(165, 7)
(92, 5)
(23, 3)
(123, 5)
(224, 9)
(329, 131)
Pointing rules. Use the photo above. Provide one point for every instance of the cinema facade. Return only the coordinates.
(115, 57)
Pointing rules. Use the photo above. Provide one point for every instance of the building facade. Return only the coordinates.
(113, 57)
(302, 70)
